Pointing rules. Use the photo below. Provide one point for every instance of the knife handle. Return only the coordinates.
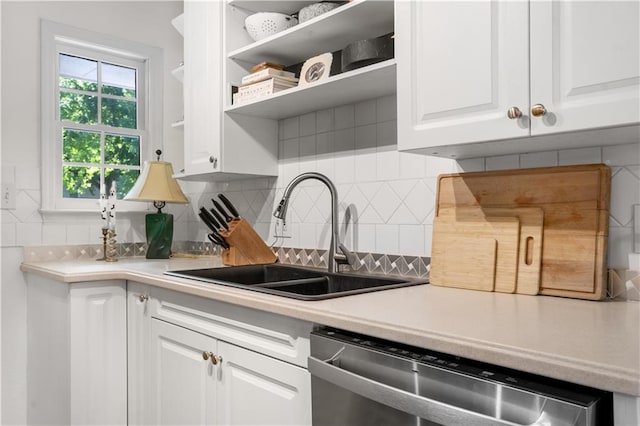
(209, 217)
(220, 220)
(222, 211)
(232, 209)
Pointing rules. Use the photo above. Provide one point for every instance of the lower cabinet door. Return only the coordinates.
(183, 383)
(255, 389)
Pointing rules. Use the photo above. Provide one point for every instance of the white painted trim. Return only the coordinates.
(151, 117)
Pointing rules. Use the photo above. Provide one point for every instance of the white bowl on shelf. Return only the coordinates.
(264, 24)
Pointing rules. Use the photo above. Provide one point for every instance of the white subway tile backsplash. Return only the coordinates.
(387, 164)
(365, 113)
(344, 117)
(469, 165)
(387, 238)
(365, 236)
(385, 202)
(28, 234)
(366, 138)
(387, 135)
(291, 127)
(412, 166)
(619, 247)
(308, 124)
(8, 234)
(80, 234)
(345, 168)
(344, 141)
(502, 162)
(54, 234)
(365, 167)
(569, 157)
(625, 192)
(539, 159)
(386, 108)
(411, 240)
(27, 209)
(324, 121)
(621, 155)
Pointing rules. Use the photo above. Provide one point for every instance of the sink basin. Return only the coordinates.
(295, 281)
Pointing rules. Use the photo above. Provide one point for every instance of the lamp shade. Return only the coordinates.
(156, 183)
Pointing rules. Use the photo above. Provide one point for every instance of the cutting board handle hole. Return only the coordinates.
(528, 255)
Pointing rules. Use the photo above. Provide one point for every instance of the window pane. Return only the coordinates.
(119, 113)
(80, 182)
(78, 73)
(80, 147)
(124, 180)
(121, 149)
(118, 80)
(78, 108)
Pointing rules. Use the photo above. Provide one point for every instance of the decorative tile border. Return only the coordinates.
(371, 263)
(622, 284)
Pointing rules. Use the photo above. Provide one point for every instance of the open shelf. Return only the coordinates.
(288, 7)
(328, 32)
(354, 86)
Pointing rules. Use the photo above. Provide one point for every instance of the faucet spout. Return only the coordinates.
(281, 211)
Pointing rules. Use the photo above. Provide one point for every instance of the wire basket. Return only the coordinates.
(263, 24)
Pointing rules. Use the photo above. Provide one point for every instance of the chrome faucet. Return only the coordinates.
(335, 259)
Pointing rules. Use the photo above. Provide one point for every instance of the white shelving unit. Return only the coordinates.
(365, 83)
(329, 32)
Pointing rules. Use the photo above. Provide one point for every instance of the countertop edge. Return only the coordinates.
(594, 374)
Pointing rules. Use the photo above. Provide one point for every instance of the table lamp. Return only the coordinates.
(156, 184)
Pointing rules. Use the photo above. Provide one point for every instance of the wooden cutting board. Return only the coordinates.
(461, 245)
(530, 250)
(575, 201)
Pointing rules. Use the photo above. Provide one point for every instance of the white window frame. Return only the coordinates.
(58, 38)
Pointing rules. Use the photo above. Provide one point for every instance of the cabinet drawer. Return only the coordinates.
(274, 335)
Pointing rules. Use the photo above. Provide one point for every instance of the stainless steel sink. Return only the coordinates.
(295, 281)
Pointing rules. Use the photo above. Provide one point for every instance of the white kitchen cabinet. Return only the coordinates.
(138, 342)
(183, 384)
(77, 352)
(462, 66)
(200, 380)
(217, 146)
(255, 389)
(260, 357)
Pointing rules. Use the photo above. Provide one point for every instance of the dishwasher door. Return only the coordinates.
(356, 380)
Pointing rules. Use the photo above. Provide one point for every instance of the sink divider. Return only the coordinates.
(246, 246)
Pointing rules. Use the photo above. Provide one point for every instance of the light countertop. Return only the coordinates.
(591, 343)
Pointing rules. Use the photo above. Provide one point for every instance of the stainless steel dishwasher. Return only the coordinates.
(357, 380)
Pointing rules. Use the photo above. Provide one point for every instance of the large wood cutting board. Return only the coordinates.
(575, 202)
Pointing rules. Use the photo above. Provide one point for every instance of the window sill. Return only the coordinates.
(83, 214)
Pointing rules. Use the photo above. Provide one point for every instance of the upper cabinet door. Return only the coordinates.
(202, 86)
(585, 64)
(461, 67)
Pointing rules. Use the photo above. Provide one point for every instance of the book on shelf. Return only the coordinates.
(267, 73)
(266, 86)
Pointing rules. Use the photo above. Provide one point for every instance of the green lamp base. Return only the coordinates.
(159, 227)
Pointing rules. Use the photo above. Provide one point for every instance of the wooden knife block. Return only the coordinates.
(246, 246)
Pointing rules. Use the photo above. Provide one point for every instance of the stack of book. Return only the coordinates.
(263, 83)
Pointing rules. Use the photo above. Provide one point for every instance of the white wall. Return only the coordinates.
(147, 22)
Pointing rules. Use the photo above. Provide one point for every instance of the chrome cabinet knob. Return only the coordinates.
(213, 160)
(538, 110)
(143, 297)
(514, 113)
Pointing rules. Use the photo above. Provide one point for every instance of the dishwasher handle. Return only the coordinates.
(428, 409)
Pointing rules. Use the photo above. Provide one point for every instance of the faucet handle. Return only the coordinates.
(346, 258)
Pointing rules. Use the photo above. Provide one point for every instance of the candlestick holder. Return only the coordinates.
(105, 236)
(111, 251)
